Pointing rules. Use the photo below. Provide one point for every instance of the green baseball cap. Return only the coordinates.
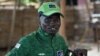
(49, 8)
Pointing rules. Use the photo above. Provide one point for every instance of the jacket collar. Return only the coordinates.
(44, 35)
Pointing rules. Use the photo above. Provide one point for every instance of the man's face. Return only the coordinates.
(51, 24)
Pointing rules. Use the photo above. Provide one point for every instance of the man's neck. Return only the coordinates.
(52, 34)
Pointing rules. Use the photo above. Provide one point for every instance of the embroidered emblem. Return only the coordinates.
(60, 53)
(41, 54)
(17, 45)
(52, 6)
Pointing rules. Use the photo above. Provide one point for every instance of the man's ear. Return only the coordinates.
(40, 13)
(39, 22)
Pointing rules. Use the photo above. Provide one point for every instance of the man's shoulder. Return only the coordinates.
(59, 36)
(28, 37)
(61, 39)
(32, 34)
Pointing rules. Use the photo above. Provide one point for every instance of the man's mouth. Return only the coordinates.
(53, 28)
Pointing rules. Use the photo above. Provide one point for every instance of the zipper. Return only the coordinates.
(52, 48)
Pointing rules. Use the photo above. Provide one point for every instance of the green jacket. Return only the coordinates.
(39, 43)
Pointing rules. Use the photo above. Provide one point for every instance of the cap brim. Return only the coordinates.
(52, 12)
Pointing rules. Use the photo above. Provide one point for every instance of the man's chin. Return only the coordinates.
(53, 32)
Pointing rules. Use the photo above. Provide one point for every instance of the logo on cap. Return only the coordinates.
(52, 6)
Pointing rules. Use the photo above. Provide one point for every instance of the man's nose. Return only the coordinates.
(52, 23)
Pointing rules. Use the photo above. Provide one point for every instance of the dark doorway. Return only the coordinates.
(71, 2)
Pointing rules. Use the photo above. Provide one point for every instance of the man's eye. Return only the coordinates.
(47, 20)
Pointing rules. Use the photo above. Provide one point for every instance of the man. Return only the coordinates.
(45, 41)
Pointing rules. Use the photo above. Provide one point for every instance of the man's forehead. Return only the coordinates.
(54, 16)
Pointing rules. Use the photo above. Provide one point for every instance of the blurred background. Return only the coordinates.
(80, 26)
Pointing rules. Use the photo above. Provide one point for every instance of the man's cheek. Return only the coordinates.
(45, 27)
